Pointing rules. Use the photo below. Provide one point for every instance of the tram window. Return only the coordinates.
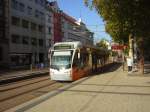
(86, 59)
(76, 60)
(82, 61)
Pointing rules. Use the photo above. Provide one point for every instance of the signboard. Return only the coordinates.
(118, 47)
(63, 46)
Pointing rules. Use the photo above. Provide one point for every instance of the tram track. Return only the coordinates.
(13, 96)
(25, 90)
(11, 88)
(13, 79)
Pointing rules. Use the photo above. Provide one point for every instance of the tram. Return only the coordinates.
(70, 61)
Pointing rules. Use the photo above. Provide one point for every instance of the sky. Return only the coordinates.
(93, 21)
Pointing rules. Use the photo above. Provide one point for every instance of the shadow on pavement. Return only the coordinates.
(110, 92)
(107, 68)
(146, 72)
(146, 69)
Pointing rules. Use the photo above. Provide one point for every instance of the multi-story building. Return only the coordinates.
(73, 30)
(49, 28)
(27, 32)
(56, 22)
(4, 57)
(66, 28)
(28, 28)
(86, 35)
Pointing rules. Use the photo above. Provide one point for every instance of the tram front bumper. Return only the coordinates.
(61, 75)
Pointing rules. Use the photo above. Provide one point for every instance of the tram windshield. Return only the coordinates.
(61, 60)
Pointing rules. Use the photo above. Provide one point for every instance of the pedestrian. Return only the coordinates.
(130, 64)
(42, 65)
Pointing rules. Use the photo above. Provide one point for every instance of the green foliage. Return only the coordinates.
(126, 51)
(102, 43)
(114, 53)
(124, 17)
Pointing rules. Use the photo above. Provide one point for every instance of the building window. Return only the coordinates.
(33, 26)
(48, 43)
(41, 57)
(40, 2)
(40, 28)
(14, 4)
(36, 13)
(29, 10)
(63, 23)
(1, 53)
(34, 41)
(36, 1)
(62, 34)
(21, 7)
(15, 39)
(1, 2)
(1, 11)
(2, 33)
(15, 21)
(41, 15)
(41, 42)
(25, 40)
(49, 19)
(25, 23)
(49, 30)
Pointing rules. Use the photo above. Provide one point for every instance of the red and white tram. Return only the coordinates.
(70, 61)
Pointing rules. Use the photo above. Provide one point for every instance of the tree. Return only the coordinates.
(124, 17)
(102, 44)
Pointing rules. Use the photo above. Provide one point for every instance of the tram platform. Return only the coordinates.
(111, 91)
(11, 76)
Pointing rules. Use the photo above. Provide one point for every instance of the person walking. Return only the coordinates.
(130, 64)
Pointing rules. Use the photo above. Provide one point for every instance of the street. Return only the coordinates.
(111, 91)
(74, 56)
(25, 90)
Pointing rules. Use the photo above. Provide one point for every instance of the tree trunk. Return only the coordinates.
(142, 56)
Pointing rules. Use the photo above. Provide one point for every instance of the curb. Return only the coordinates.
(23, 77)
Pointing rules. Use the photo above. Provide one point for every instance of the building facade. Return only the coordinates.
(28, 28)
(27, 32)
(73, 30)
(56, 22)
(66, 28)
(49, 29)
(4, 55)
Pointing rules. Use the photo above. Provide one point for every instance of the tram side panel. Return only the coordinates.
(80, 67)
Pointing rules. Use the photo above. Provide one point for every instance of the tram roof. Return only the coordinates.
(78, 44)
(68, 45)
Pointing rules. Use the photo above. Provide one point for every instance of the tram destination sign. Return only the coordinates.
(63, 46)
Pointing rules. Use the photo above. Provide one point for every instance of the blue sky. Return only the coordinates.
(93, 21)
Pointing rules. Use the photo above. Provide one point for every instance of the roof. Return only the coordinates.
(76, 44)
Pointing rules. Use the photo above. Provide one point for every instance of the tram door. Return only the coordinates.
(80, 62)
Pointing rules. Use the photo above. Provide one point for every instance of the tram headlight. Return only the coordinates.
(51, 73)
(68, 72)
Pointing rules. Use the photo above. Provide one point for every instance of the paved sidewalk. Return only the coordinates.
(114, 91)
